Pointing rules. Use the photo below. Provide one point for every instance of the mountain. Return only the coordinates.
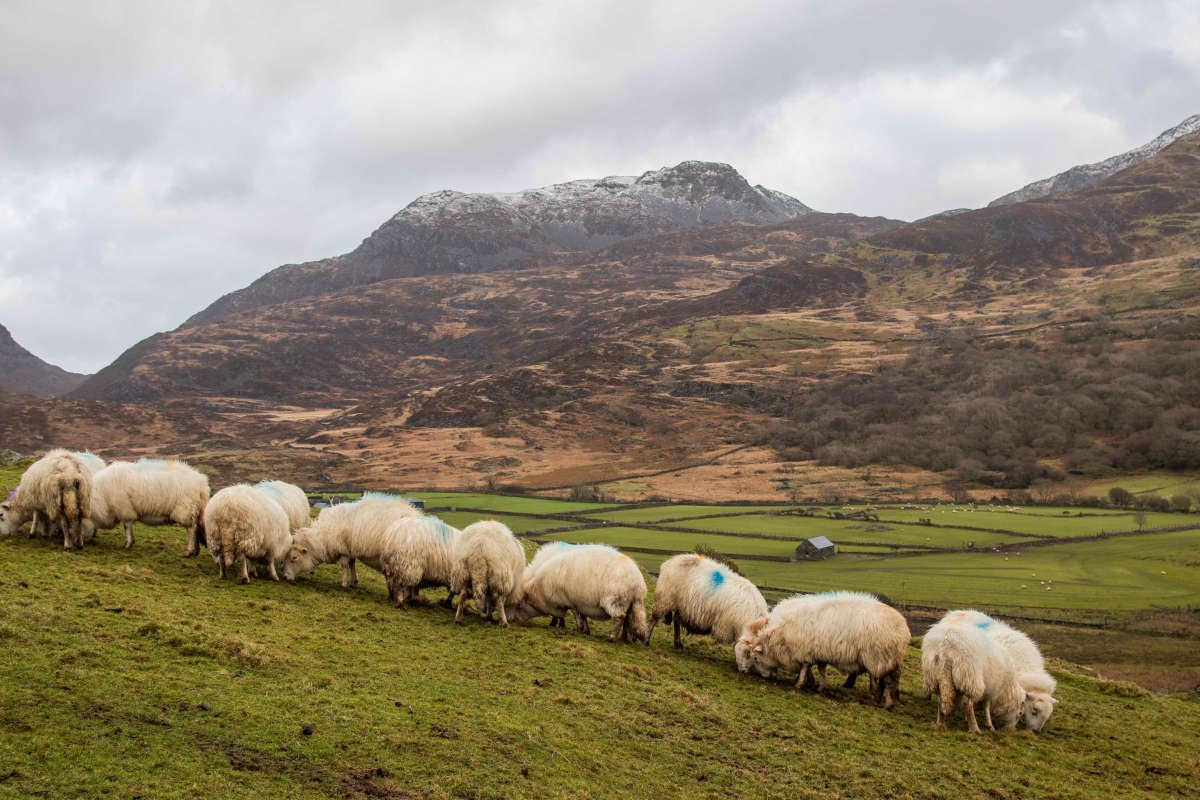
(453, 232)
(22, 372)
(825, 355)
(1087, 174)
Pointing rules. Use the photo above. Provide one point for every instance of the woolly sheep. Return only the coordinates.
(153, 492)
(960, 662)
(488, 565)
(420, 554)
(594, 582)
(245, 525)
(539, 560)
(1027, 660)
(347, 533)
(854, 632)
(291, 499)
(56, 488)
(93, 462)
(705, 597)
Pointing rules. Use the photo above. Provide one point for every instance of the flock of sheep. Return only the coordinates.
(968, 658)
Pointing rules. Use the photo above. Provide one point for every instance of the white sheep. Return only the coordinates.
(57, 488)
(1027, 660)
(420, 554)
(244, 525)
(93, 462)
(291, 499)
(539, 560)
(853, 631)
(592, 581)
(960, 662)
(489, 564)
(703, 596)
(348, 533)
(153, 492)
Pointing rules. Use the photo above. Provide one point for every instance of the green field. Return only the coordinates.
(680, 511)
(141, 674)
(501, 503)
(1040, 524)
(848, 530)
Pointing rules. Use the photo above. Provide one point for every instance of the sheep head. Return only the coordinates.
(301, 558)
(1037, 710)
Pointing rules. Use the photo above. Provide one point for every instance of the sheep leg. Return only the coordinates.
(128, 534)
(851, 679)
(221, 567)
(618, 624)
(68, 539)
(500, 610)
(193, 548)
(462, 601)
(969, 711)
(675, 626)
(344, 563)
(449, 601)
(243, 569)
(271, 570)
(821, 684)
(35, 524)
(805, 679)
(653, 623)
(987, 715)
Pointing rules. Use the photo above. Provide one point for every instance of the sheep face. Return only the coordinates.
(300, 559)
(1037, 710)
(9, 523)
(521, 612)
(1006, 714)
(764, 663)
(743, 650)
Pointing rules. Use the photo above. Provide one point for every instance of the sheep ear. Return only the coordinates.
(1054, 701)
(758, 648)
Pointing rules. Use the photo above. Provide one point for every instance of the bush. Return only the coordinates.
(1181, 502)
(1120, 497)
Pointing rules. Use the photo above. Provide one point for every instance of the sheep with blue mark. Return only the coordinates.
(852, 631)
(963, 665)
(291, 499)
(1027, 659)
(57, 490)
(420, 555)
(151, 491)
(245, 525)
(593, 582)
(703, 596)
(348, 533)
(489, 564)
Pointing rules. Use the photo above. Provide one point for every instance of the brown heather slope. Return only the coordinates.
(21, 372)
(663, 364)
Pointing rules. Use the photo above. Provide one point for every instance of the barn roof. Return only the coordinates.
(820, 542)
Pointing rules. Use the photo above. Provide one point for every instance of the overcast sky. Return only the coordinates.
(155, 156)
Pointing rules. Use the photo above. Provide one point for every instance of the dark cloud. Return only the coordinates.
(157, 155)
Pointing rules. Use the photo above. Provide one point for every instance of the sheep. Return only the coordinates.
(58, 488)
(488, 564)
(593, 581)
(853, 631)
(539, 560)
(93, 462)
(347, 533)
(1027, 660)
(153, 492)
(705, 597)
(419, 554)
(291, 499)
(243, 525)
(960, 661)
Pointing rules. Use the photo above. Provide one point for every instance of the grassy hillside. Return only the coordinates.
(141, 674)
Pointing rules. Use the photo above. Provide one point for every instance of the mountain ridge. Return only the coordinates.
(21, 372)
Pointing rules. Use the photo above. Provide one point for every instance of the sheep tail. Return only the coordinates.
(225, 537)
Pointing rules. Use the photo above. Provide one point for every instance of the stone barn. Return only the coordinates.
(816, 548)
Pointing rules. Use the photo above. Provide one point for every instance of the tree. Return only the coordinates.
(958, 493)
(1120, 497)
(1139, 517)
(1181, 502)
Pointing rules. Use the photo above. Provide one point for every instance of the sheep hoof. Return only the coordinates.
(243, 580)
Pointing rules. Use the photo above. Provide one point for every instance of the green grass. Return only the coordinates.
(848, 530)
(523, 505)
(140, 674)
(1042, 524)
(679, 542)
(675, 511)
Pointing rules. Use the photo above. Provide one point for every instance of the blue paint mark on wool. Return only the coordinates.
(716, 579)
(442, 529)
(267, 486)
(984, 625)
(150, 462)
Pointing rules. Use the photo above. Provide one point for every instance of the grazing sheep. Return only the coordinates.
(853, 631)
(291, 499)
(962, 663)
(420, 554)
(347, 533)
(93, 462)
(244, 525)
(1027, 660)
(488, 565)
(539, 560)
(594, 582)
(153, 492)
(56, 488)
(705, 597)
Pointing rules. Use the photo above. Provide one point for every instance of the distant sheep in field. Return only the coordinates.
(244, 525)
(489, 564)
(854, 632)
(1027, 660)
(592, 581)
(153, 492)
(420, 554)
(961, 663)
(347, 533)
(703, 596)
(56, 489)
(291, 499)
